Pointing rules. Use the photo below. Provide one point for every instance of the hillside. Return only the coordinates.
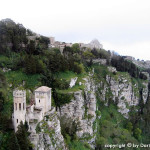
(99, 99)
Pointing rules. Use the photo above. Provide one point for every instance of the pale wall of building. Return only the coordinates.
(43, 100)
(19, 107)
(32, 113)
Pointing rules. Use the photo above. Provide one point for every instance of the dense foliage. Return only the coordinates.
(27, 62)
(126, 66)
(113, 128)
(15, 37)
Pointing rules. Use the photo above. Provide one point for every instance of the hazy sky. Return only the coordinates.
(120, 25)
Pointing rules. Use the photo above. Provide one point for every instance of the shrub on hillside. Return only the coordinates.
(61, 98)
(78, 68)
(68, 127)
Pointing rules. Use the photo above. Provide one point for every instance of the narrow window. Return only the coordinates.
(39, 100)
(23, 106)
(17, 120)
(19, 106)
(16, 105)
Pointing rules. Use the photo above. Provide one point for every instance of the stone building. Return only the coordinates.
(33, 112)
(19, 107)
(93, 44)
(52, 40)
(43, 98)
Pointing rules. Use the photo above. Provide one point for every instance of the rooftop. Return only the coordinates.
(42, 89)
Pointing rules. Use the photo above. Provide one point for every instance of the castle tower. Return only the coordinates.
(19, 98)
(43, 98)
(52, 40)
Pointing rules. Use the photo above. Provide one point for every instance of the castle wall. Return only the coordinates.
(43, 100)
(33, 116)
(40, 100)
(48, 100)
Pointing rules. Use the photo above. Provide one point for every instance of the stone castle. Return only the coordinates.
(33, 112)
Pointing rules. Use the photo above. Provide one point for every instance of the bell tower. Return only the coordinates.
(19, 98)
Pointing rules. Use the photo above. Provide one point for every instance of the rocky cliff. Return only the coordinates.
(123, 90)
(83, 108)
(48, 133)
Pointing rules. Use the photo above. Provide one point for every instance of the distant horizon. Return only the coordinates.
(83, 41)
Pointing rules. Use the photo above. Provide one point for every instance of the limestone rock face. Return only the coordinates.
(145, 92)
(117, 87)
(73, 82)
(112, 69)
(82, 109)
(124, 92)
(48, 135)
(100, 61)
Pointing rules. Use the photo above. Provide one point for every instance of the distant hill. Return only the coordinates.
(15, 37)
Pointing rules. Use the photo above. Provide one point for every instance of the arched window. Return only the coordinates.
(16, 106)
(19, 106)
(39, 100)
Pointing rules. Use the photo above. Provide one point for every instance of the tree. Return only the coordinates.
(40, 66)
(137, 133)
(61, 98)
(3, 86)
(30, 64)
(129, 126)
(31, 48)
(78, 68)
(12, 36)
(100, 142)
(2, 79)
(76, 48)
(104, 54)
(22, 137)
(13, 142)
(95, 52)
(69, 127)
(88, 55)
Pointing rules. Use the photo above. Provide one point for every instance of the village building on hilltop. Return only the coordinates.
(61, 45)
(35, 111)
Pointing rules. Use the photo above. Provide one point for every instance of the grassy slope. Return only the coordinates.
(67, 76)
(16, 78)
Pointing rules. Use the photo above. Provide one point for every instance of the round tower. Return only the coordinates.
(19, 97)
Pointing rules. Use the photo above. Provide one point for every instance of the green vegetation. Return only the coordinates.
(73, 89)
(112, 129)
(101, 53)
(4, 61)
(69, 128)
(62, 98)
(77, 145)
(66, 75)
(27, 63)
(16, 78)
(126, 66)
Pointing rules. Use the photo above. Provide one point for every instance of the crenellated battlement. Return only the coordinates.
(19, 93)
